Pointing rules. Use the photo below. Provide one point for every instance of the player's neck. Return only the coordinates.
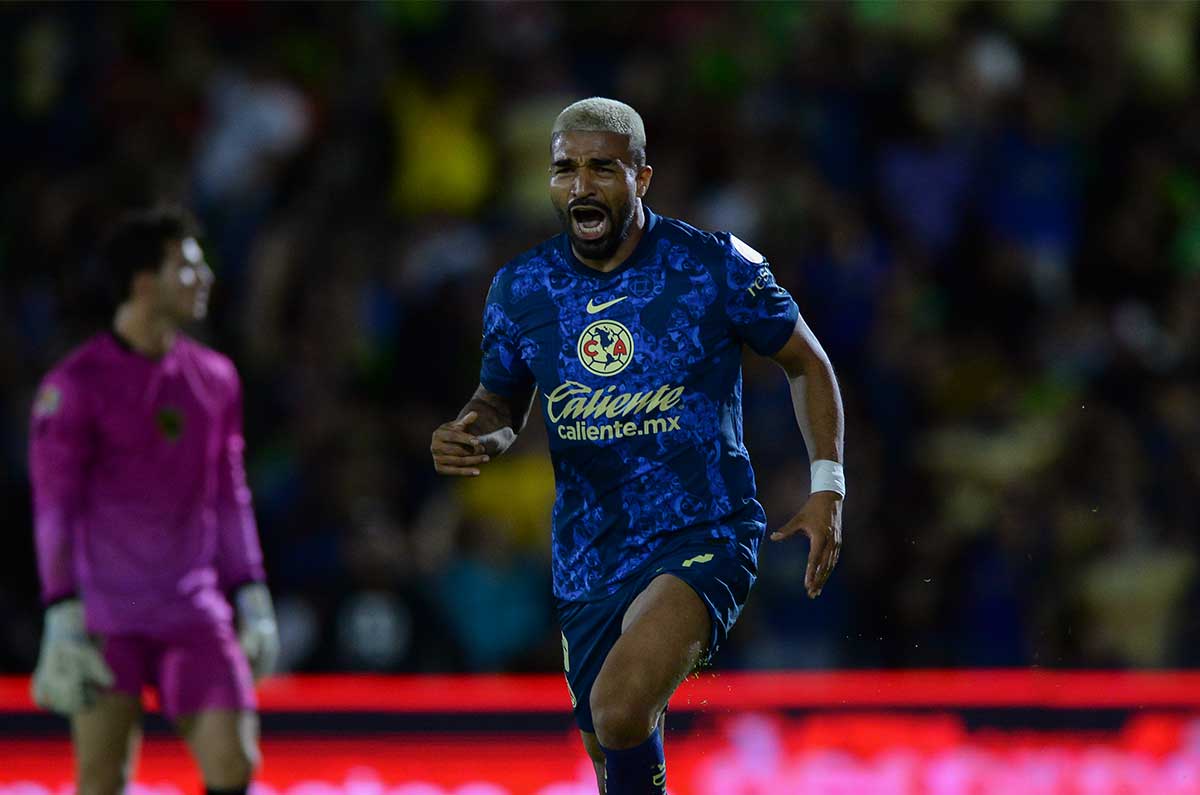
(624, 250)
(145, 331)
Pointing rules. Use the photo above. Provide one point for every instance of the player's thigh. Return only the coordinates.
(106, 738)
(224, 744)
(203, 669)
(665, 634)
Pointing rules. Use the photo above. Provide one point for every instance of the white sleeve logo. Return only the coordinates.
(746, 251)
(764, 278)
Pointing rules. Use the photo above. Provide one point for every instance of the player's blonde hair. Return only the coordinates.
(600, 114)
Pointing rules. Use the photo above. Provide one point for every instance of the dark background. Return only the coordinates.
(989, 214)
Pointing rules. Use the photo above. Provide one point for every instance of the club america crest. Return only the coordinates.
(605, 347)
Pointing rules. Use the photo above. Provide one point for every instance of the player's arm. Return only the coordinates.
(818, 407)
(60, 448)
(239, 554)
(815, 394)
(70, 669)
(486, 427)
(496, 413)
(767, 319)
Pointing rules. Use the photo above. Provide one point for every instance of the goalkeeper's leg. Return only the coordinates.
(224, 744)
(208, 691)
(106, 738)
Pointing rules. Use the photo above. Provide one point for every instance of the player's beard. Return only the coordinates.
(620, 221)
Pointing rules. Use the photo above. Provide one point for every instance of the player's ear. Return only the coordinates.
(645, 173)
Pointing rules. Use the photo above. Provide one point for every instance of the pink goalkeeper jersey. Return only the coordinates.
(140, 499)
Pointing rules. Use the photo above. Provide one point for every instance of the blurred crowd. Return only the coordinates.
(989, 214)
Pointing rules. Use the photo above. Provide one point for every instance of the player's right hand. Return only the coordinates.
(70, 670)
(455, 450)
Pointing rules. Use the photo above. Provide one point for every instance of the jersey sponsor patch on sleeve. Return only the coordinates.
(745, 250)
(48, 401)
(762, 280)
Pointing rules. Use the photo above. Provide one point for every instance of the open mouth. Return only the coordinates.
(591, 223)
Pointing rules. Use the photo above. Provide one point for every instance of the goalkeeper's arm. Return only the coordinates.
(70, 669)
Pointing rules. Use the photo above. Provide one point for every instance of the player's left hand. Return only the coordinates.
(821, 520)
(257, 631)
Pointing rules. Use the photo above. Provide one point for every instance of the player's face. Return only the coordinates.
(184, 281)
(594, 186)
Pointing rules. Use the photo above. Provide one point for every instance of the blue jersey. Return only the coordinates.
(639, 376)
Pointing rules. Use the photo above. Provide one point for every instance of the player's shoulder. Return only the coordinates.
(724, 252)
(213, 363)
(526, 270)
(83, 362)
(75, 377)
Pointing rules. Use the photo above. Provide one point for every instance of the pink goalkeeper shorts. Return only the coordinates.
(196, 670)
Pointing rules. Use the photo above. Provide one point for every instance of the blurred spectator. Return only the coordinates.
(989, 213)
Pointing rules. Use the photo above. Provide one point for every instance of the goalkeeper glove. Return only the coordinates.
(257, 632)
(70, 670)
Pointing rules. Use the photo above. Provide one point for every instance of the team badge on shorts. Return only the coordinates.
(605, 347)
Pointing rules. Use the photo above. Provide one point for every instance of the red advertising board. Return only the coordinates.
(751, 734)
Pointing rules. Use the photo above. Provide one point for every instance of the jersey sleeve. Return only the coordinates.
(762, 313)
(61, 448)
(239, 554)
(503, 370)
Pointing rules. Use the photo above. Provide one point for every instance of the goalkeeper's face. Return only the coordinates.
(595, 187)
(184, 281)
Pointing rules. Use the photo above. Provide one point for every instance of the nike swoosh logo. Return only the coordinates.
(593, 307)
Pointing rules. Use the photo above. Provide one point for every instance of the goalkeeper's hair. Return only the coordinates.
(599, 114)
(137, 243)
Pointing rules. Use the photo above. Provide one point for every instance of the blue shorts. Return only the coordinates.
(720, 572)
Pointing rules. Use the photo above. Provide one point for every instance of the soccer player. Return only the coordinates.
(629, 329)
(144, 525)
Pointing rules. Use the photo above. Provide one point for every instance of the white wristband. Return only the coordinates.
(827, 476)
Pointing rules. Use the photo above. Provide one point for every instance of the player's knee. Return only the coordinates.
(621, 721)
(226, 748)
(231, 766)
(241, 764)
(102, 777)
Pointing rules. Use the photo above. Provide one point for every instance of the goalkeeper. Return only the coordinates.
(145, 531)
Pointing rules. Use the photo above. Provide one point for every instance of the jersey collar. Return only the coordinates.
(124, 346)
(640, 252)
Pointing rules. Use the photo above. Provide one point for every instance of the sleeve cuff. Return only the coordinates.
(503, 390)
(774, 343)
